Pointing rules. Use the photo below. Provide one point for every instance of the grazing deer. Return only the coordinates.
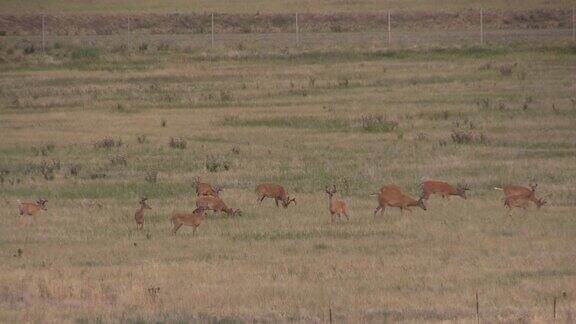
(337, 206)
(443, 189)
(520, 191)
(393, 197)
(520, 201)
(274, 191)
(194, 219)
(139, 215)
(216, 204)
(206, 189)
(31, 209)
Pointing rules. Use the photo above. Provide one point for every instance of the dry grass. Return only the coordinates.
(86, 262)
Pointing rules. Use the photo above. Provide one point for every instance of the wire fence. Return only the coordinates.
(217, 31)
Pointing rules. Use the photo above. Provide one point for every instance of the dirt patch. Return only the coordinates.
(199, 23)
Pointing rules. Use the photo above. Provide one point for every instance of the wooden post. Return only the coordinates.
(481, 26)
(297, 31)
(330, 313)
(129, 35)
(43, 33)
(389, 28)
(554, 308)
(212, 39)
(477, 309)
(573, 24)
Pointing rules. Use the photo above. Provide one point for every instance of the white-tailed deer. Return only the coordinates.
(206, 189)
(31, 209)
(443, 189)
(519, 191)
(520, 201)
(274, 191)
(337, 207)
(392, 197)
(139, 215)
(193, 219)
(216, 204)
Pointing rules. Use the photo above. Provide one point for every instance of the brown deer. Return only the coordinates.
(443, 189)
(193, 219)
(337, 207)
(520, 201)
(216, 204)
(391, 196)
(206, 189)
(139, 215)
(274, 191)
(520, 191)
(31, 209)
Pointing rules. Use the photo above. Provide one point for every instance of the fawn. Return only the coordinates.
(139, 215)
(31, 209)
(193, 219)
(337, 207)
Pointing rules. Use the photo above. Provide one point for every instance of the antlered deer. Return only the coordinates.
(443, 189)
(206, 189)
(139, 215)
(520, 201)
(31, 209)
(520, 191)
(274, 191)
(194, 219)
(391, 196)
(216, 204)
(337, 207)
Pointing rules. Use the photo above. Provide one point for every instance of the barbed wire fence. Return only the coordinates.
(390, 33)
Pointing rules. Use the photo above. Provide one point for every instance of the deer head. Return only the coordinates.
(533, 185)
(421, 202)
(541, 202)
(287, 202)
(461, 189)
(143, 203)
(217, 189)
(331, 192)
(42, 203)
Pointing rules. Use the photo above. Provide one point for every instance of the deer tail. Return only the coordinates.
(498, 188)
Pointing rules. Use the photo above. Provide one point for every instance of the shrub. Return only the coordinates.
(108, 143)
(163, 122)
(377, 123)
(215, 164)
(84, 53)
(177, 142)
(119, 159)
(74, 169)
(141, 139)
(151, 176)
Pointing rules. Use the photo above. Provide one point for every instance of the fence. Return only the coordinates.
(302, 31)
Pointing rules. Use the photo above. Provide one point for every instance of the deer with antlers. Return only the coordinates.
(193, 219)
(337, 207)
(206, 189)
(216, 204)
(515, 192)
(443, 189)
(392, 196)
(139, 215)
(274, 191)
(31, 209)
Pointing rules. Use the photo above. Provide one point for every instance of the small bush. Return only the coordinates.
(216, 164)
(85, 53)
(74, 169)
(2, 33)
(29, 49)
(343, 82)
(108, 143)
(94, 176)
(143, 47)
(225, 95)
(506, 70)
(119, 160)
(151, 176)
(377, 123)
(177, 142)
(43, 150)
(141, 139)
(48, 168)
(462, 137)
(236, 150)
(163, 122)
(164, 46)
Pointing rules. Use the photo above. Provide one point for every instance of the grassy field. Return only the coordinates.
(266, 6)
(294, 118)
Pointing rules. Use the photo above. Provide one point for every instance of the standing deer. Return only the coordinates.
(520, 201)
(391, 196)
(216, 204)
(336, 206)
(206, 189)
(193, 219)
(139, 215)
(520, 191)
(31, 209)
(443, 189)
(274, 191)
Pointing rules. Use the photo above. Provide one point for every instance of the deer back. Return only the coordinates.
(271, 190)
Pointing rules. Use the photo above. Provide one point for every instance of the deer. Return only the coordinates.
(139, 215)
(216, 204)
(443, 189)
(520, 201)
(206, 189)
(193, 219)
(274, 191)
(337, 207)
(519, 191)
(31, 209)
(391, 196)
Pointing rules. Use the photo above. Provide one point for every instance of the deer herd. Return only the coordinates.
(208, 198)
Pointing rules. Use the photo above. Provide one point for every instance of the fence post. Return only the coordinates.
(477, 309)
(43, 33)
(554, 308)
(481, 26)
(212, 33)
(297, 31)
(573, 25)
(129, 34)
(389, 28)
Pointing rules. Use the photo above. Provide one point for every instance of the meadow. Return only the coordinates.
(358, 118)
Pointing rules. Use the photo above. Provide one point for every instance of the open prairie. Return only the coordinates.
(89, 129)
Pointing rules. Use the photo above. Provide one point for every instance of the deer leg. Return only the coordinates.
(194, 231)
(260, 200)
(176, 227)
(347, 218)
(276, 200)
(378, 209)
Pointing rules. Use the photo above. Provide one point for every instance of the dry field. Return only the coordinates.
(355, 118)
